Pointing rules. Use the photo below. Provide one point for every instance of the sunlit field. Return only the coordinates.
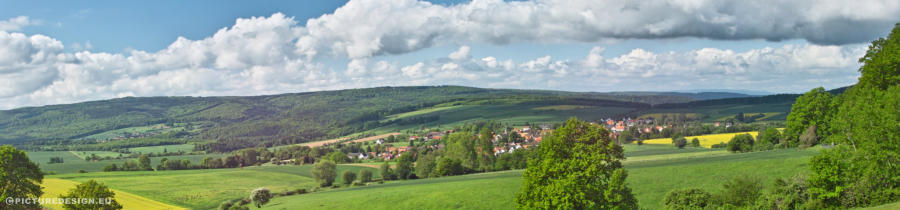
(705, 140)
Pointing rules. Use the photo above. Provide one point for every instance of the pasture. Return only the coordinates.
(206, 189)
(73, 163)
(163, 148)
(705, 140)
(653, 172)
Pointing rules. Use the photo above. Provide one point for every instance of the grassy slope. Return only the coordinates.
(205, 189)
(160, 149)
(667, 169)
(72, 164)
(55, 188)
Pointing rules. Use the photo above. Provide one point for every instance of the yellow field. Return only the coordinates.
(705, 140)
(54, 188)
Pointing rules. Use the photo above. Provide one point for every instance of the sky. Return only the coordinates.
(58, 52)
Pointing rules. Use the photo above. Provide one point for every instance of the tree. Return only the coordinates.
(461, 146)
(741, 143)
(104, 198)
(365, 176)
(338, 157)
(579, 167)
(448, 167)
(485, 149)
(692, 198)
(260, 196)
(348, 177)
(144, 161)
(20, 178)
(404, 166)
(695, 142)
(324, 171)
(386, 172)
(110, 167)
(739, 117)
(680, 142)
(812, 108)
(425, 165)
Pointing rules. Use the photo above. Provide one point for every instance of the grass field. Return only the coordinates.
(55, 188)
(102, 154)
(160, 149)
(72, 163)
(206, 189)
(653, 170)
(705, 140)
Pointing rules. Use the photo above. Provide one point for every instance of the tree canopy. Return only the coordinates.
(19, 178)
(579, 168)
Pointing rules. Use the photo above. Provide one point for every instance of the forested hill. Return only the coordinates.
(307, 116)
(294, 117)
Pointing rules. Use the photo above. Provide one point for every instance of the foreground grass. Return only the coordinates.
(56, 188)
(476, 191)
(650, 178)
(205, 189)
(705, 140)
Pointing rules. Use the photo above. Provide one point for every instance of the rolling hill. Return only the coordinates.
(229, 123)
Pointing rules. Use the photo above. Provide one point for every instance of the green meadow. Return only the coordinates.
(653, 170)
(163, 148)
(72, 163)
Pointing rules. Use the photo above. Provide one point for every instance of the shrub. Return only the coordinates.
(680, 142)
(719, 145)
(695, 142)
(688, 199)
(365, 176)
(741, 190)
(225, 205)
(741, 143)
(386, 172)
(260, 196)
(301, 191)
(348, 177)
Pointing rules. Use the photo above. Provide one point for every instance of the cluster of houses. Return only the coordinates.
(529, 137)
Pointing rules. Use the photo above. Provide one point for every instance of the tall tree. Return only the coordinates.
(144, 161)
(579, 168)
(812, 108)
(19, 178)
(324, 171)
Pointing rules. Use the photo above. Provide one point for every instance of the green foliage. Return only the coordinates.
(260, 196)
(791, 193)
(348, 177)
(338, 157)
(19, 178)
(405, 166)
(691, 198)
(741, 143)
(425, 165)
(809, 137)
(447, 166)
(863, 169)
(144, 161)
(767, 138)
(386, 172)
(695, 142)
(680, 142)
(461, 146)
(92, 190)
(365, 176)
(813, 108)
(579, 168)
(324, 171)
(225, 205)
(741, 191)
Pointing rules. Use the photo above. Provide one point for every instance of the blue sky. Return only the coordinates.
(72, 51)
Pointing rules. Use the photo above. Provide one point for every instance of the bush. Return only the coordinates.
(680, 142)
(348, 177)
(260, 196)
(695, 142)
(741, 191)
(741, 143)
(386, 172)
(688, 199)
(225, 205)
(365, 176)
(301, 191)
(719, 145)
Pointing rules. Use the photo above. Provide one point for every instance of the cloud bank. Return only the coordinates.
(275, 54)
